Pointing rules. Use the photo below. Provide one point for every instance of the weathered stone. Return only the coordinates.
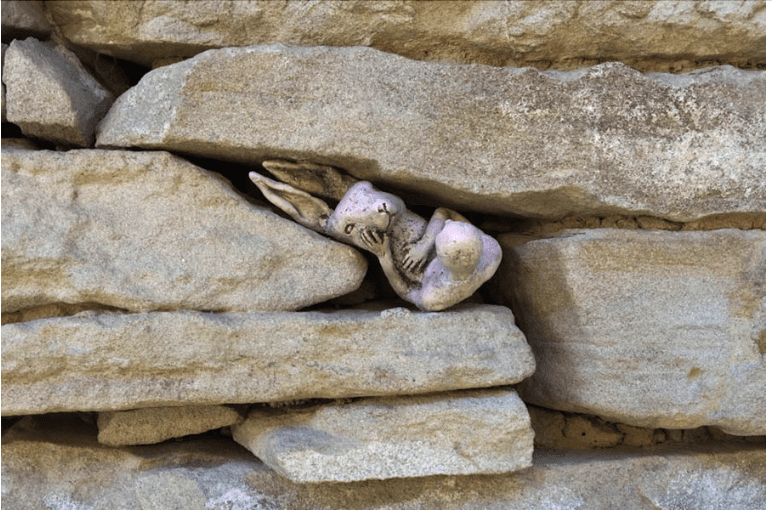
(478, 432)
(51, 95)
(150, 231)
(51, 462)
(124, 361)
(649, 328)
(153, 425)
(22, 18)
(470, 137)
(543, 33)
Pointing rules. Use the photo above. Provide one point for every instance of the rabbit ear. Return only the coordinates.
(324, 181)
(311, 212)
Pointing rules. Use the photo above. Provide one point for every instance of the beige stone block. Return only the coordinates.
(478, 432)
(125, 361)
(469, 137)
(648, 33)
(150, 231)
(57, 463)
(50, 94)
(153, 425)
(650, 328)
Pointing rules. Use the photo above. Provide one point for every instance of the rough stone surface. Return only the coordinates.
(542, 33)
(477, 432)
(22, 18)
(649, 328)
(153, 425)
(124, 361)
(469, 137)
(57, 463)
(51, 95)
(149, 231)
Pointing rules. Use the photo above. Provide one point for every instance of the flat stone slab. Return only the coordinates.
(498, 33)
(56, 462)
(153, 425)
(477, 432)
(516, 141)
(49, 94)
(124, 361)
(650, 328)
(149, 231)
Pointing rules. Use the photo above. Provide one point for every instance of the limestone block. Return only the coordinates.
(545, 33)
(149, 231)
(50, 462)
(650, 328)
(22, 18)
(125, 361)
(517, 141)
(153, 425)
(478, 432)
(51, 95)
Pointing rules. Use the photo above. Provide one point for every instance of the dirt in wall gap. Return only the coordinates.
(560, 430)
(86, 309)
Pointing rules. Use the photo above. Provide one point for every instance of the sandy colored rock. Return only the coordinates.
(58, 463)
(543, 33)
(153, 425)
(650, 328)
(50, 94)
(473, 137)
(125, 361)
(22, 18)
(150, 231)
(478, 432)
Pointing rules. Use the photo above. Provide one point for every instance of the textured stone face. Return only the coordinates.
(50, 95)
(153, 425)
(51, 462)
(477, 432)
(470, 137)
(21, 18)
(118, 362)
(564, 33)
(149, 231)
(654, 329)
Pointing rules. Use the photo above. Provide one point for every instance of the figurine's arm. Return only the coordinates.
(378, 243)
(419, 249)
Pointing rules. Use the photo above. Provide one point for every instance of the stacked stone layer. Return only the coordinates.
(112, 362)
(469, 136)
(654, 329)
(152, 299)
(59, 464)
(665, 35)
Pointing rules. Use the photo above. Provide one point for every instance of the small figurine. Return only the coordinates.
(433, 265)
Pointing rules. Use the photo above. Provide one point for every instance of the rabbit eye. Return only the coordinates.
(349, 228)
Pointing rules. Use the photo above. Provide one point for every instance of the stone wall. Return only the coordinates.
(172, 340)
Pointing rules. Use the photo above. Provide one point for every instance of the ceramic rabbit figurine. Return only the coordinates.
(433, 264)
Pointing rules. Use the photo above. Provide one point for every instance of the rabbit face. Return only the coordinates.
(363, 210)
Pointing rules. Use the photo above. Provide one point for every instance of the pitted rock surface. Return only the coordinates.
(650, 328)
(149, 231)
(516, 141)
(125, 361)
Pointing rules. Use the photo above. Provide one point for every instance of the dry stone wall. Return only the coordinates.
(170, 339)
